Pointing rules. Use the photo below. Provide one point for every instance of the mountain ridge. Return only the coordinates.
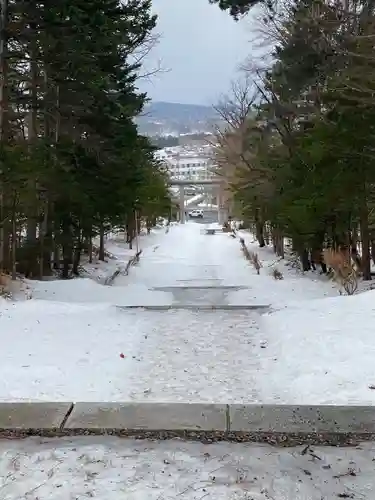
(162, 117)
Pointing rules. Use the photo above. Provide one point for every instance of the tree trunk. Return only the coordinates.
(373, 250)
(305, 261)
(47, 241)
(278, 242)
(4, 123)
(56, 249)
(67, 250)
(259, 228)
(266, 232)
(14, 245)
(259, 234)
(7, 254)
(365, 237)
(138, 223)
(280, 245)
(317, 250)
(32, 136)
(90, 249)
(77, 254)
(101, 242)
(66, 263)
(130, 229)
(148, 225)
(274, 239)
(41, 251)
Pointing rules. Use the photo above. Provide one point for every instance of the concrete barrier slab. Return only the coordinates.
(200, 287)
(200, 307)
(148, 416)
(304, 419)
(33, 415)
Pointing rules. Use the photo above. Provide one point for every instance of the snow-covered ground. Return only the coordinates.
(71, 341)
(111, 469)
(90, 289)
(292, 289)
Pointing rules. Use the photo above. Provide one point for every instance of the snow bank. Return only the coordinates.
(64, 351)
(264, 289)
(90, 288)
(321, 352)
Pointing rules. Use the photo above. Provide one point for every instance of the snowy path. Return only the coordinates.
(197, 356)
(187, 257)
(193, 355)
(112, 469)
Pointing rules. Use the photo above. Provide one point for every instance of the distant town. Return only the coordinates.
(184, 135)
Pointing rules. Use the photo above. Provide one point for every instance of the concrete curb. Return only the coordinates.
(287, 424)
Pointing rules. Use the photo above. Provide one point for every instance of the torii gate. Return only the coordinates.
(215, 181)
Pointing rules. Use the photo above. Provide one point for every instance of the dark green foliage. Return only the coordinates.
(236, 8)
(73, 160)
(314, 182)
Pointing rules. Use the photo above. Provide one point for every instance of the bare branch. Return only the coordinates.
(236, 107)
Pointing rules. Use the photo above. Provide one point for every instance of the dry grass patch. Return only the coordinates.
(10, 288)
(343, 271)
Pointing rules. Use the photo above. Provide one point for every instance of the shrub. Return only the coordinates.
(251, 256)
(9, 288)
(342, 270)
(276, 274)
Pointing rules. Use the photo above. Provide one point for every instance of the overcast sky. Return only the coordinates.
(200, 46)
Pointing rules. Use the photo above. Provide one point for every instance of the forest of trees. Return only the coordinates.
(72, 163)
(299, 148)
(164, 141)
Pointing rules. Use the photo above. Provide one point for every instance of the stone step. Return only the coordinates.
(200, 307)
(199, 287)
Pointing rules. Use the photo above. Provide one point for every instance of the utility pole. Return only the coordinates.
(3, 111)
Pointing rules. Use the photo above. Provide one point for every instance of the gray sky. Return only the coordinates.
(201, 47)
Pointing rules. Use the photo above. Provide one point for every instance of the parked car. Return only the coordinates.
(196, 213)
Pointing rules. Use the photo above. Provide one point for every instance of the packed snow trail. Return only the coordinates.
(208, 269)
(186, 257)
(193, 355)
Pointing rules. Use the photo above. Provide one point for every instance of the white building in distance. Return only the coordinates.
(187, 162)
